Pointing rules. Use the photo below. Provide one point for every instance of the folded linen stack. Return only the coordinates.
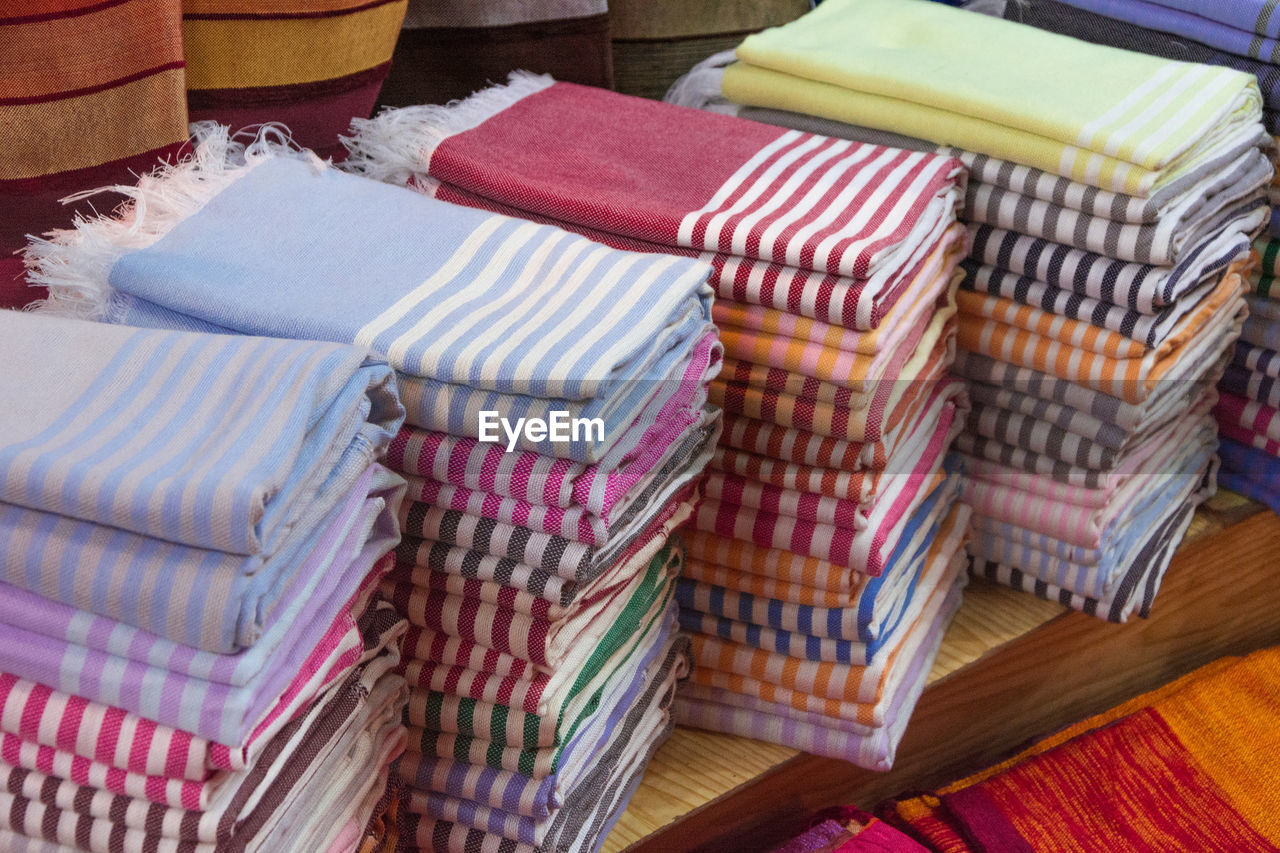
(193, 655)
(537, 577)
(1233, 35)
(1111, 209)
(823, 546)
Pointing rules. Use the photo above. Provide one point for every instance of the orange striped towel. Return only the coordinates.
(1130, 379)
(787, 567)
(858, 372)
(846, 692)
(763, 586)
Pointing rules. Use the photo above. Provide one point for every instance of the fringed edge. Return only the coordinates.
(75, 263)
(702, 86)
(397, 144)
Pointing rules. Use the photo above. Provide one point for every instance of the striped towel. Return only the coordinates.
(162, 457)
(548, 706)
(684, 460)
(1250, 472)
(1139, 287)
(819, 625)
(545, 643)
(453, 781)
(450, 790)
(910, 369)
(1025, 337)
(523, 588)
(595, 804)
(68, 65)
(1031, 200)
(309, 64)
(365, 706)
(117, 738)
(851, 693)
(227, 698)
(1165, 455)
(102, 768)
(1121, 31)
(1244, 29)
(873, 747)
(1253, 386)
(1257, 360)
(539, 763)
(771, 204)
(1132, 593)
(1104, 537)
(865, 550)
(585, 350)
(1100, 128)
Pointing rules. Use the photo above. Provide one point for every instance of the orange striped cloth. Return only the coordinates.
(91, 91)
(1015, 334)
(710, 550)
(932, 355)
(311, 64)
(850, 693)
(860, 360)
(772, 586)
(1190, 766)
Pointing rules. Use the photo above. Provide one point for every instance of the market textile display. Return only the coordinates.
(195, 656)
(308, 64)
(1111, 213)
(1184, 760)
(1249, 412)
(65, 65)
(823, 553)
(535, 570)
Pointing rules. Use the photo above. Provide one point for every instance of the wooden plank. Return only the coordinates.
(1014, 667)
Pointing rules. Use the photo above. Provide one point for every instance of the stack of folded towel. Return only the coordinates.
(194, 527)
(1234, 35)
(1112, 202)
(535, 569)
(822, 558)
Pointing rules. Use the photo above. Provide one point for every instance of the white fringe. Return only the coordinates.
(702, 89)
(75, 264)
(397, 144)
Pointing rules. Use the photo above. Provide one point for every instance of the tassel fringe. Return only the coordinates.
(396, 145)
(75, 264)
(701, 87)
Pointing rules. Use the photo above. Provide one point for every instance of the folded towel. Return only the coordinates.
(192, 251)
(860, 212)
(1116, 28)
(852, 60)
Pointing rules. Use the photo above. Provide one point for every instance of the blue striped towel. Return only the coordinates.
(129, 456)
(476, 311)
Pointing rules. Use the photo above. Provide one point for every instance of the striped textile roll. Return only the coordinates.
(67, 65)
(309, 64)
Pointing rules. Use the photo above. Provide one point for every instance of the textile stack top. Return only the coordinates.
(195, 656)
(537, 578)
(823, 556)
(1234, 35)
(1111, 211)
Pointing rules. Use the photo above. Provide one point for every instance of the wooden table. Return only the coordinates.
(1011, 667)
